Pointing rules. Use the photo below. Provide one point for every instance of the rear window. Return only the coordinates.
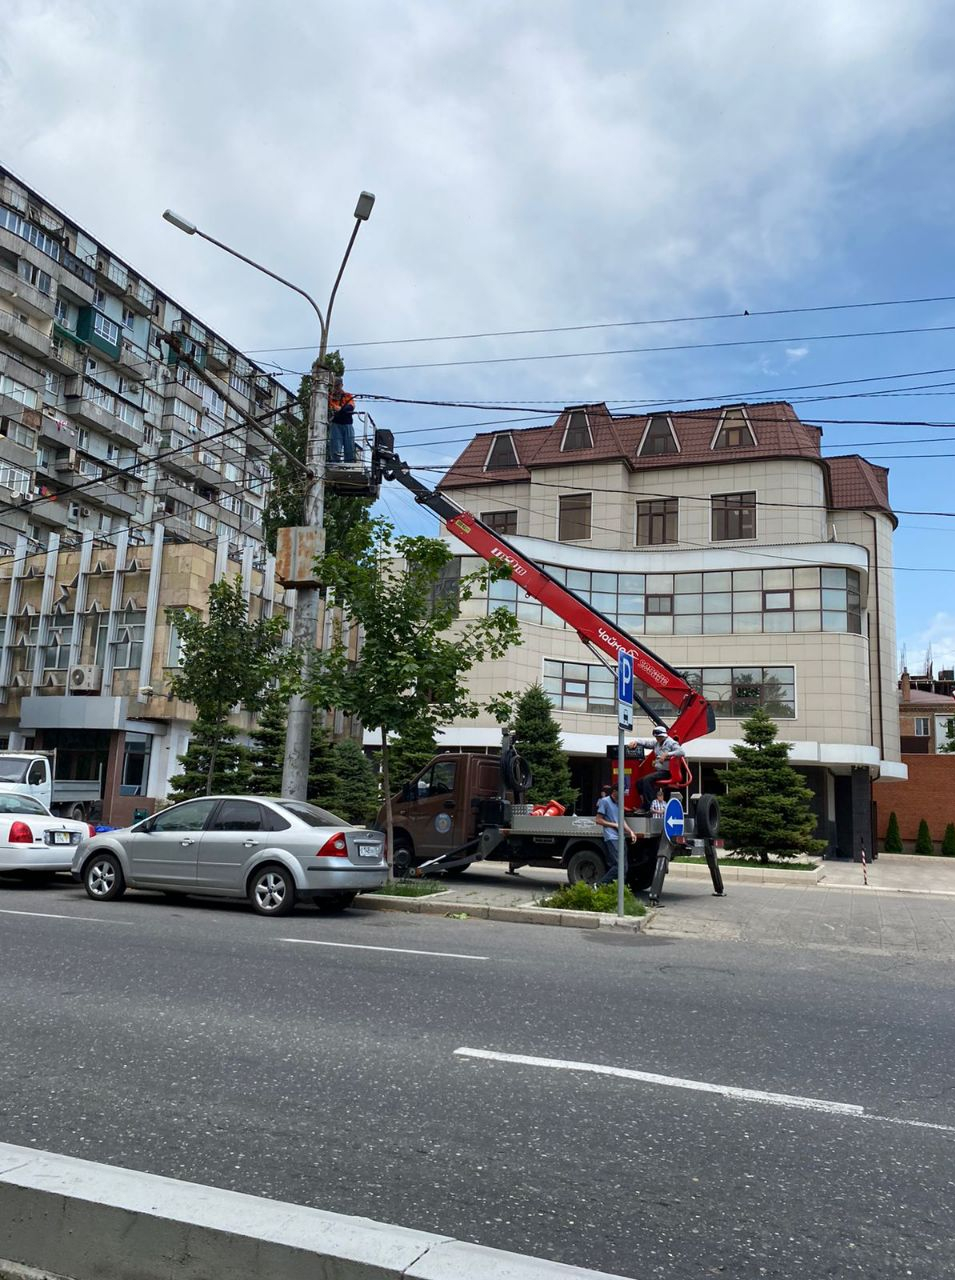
(311, 813)
(21, 804)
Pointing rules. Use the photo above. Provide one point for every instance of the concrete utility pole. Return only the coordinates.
(298, 548)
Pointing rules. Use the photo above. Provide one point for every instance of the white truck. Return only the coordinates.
(33, 773)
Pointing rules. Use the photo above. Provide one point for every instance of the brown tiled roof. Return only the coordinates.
(858, 485)
(777, 429)
(922, 698)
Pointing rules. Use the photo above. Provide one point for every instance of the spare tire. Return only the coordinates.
(517, 772)
(707, 817)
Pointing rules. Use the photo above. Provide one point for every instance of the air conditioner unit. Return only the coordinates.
(86, 679)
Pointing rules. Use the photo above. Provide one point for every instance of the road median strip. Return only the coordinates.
(519, 913)
(83, 1221)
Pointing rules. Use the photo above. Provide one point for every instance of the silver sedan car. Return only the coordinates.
(269, 852)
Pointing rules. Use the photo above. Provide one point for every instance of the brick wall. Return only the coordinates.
(929, 793)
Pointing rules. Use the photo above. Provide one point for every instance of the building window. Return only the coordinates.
(18, 433)
(659, 604)
(61, 313)
(573, 521)
(187, 378)
(33, 275)
(17, 391)
(501, 454)
(129, 317)
(734, 431)
(921, 726)
(105, 328)
(773, 600)
(56, 655)
(186, 412)
(205, 521)
(136, 751)
(579, 686)
(658, 437)
(99, 298)
(577, 433)
(734, 516)
(243, 387)
(15, 479)
(500, 521)
(657, 522)
(129, 638)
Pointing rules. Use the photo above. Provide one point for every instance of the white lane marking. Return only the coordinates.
(360, 946)
(674, 1082)
(49, 915)
(703, 1086)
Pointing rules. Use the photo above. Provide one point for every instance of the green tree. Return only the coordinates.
(539, 742)
(923, 841)
(285, 504)
(767, 808)
(213, 762)
(267, 756)
(410, 752)
(948, 746)
(226, 662)
(355, 795)
(893, 837)
(411, 669)
(948, 841)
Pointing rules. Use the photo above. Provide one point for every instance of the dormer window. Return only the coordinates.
(577, 432)
(734, 430)
(659, 436)
(501, 454)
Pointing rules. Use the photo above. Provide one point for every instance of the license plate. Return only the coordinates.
(61, 837)
(369, 851)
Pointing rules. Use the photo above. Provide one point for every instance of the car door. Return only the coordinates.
(234, 832)
(165, 850)
(434, 809)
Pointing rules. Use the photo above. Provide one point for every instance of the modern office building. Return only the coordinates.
(128, 479)
(724, 541)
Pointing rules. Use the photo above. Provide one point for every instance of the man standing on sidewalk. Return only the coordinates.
(609, 817)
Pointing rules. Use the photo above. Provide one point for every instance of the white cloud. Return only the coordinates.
(940, 634)
(796, 353)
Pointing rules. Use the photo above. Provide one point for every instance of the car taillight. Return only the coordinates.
(92, 828)
(20, 833)
(334, 847)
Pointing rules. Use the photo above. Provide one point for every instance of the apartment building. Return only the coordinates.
(724, 541)
(128, 478)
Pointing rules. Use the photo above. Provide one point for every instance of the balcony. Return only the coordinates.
(106, 495)
(217, 355)
(55, 514)
(26, 297)
(97, 411)
(177, 528)
(140, 297)
(181, 462)
(64, 356)
(24, 336)
(134, 360)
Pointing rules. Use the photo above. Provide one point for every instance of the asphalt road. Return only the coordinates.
(200, 1042)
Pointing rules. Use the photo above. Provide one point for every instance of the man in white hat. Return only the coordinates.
(664, 749)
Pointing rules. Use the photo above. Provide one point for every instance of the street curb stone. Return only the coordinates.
(525, 913)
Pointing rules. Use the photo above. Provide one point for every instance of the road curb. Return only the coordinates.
(523, 913)
(745, 875)
(86, 1221)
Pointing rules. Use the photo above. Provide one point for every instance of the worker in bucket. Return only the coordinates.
(665, 748)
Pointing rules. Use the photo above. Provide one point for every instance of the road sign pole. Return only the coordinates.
(621, 804)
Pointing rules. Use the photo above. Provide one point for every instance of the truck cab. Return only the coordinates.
(436, 811)
(27, 773)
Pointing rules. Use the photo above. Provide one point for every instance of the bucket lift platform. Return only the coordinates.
(361, 478)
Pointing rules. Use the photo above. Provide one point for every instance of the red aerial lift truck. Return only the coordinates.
(501, 829)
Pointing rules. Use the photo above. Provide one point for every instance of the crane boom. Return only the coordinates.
(694, 714)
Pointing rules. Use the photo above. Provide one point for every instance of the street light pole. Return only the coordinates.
(299, 548)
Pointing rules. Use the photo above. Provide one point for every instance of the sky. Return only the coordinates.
(540, 164)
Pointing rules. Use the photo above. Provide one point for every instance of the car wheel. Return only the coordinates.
(403, 860)
(585, 864)
(103, 877)
(336, 902)
(272, 891)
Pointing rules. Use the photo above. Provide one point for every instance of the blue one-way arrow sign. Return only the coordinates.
(625, 689)
(673, 818)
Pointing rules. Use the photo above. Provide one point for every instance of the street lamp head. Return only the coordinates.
(189, 227)
(363, 208)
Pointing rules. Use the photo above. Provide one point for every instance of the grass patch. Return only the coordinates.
(755, 862)
(410, 888)
(581, 897)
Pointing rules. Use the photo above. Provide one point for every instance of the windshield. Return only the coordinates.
(13, 770)
(311, 814)
(12, 803)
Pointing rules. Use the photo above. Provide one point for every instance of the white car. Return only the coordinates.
(32, 839)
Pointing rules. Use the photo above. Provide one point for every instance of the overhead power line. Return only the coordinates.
(619, 324)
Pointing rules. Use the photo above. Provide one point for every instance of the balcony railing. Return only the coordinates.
(23, 335)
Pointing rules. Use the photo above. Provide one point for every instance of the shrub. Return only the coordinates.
(923, 841)
(893, 837)
(948, 841)
(582, 897)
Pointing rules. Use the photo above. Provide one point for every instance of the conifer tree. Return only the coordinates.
(923, 841)
(767, 808)
(356, 787)
(948, 841)
(893, 837)
(539, 742)
(267, 756)
(948, 746)
(213, 763)
(411, 752)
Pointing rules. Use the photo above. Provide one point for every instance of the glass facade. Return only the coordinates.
(733, 692)
(718, 602)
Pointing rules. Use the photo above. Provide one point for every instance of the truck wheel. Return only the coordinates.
(707, 817)
(585, 864)
(403, 859)
(77, 813)
(640, 877)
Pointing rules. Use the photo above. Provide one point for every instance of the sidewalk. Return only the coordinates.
(895, 873)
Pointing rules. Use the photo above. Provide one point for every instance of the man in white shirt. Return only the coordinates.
(664, 749)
